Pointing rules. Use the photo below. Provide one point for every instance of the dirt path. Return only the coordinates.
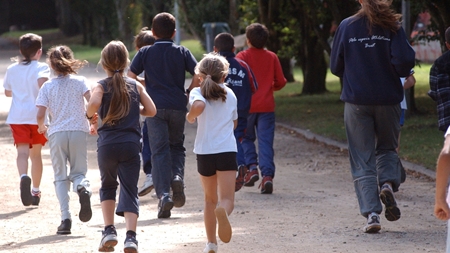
(313, 207)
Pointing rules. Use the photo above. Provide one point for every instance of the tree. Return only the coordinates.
(68, 21)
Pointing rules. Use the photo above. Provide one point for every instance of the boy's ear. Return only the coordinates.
(173, 34)
(215, 49)
(234, 49)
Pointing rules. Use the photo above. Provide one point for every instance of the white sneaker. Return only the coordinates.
(147, 187)
(210, 248)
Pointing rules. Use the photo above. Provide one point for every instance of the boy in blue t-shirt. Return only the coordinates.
(241, 80)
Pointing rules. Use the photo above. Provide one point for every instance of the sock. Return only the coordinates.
(35, 189)
(23, 175)
(131, 233)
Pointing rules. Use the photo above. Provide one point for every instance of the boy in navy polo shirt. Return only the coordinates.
(165, 65)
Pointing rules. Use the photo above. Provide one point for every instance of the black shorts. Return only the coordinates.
(207, 165)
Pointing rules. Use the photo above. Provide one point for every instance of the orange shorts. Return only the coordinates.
(27, 134)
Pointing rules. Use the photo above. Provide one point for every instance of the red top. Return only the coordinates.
(269, 75)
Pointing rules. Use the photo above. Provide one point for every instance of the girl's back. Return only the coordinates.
(64, 98)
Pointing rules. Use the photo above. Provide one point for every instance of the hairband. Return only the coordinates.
(117, 71)
(208, 76)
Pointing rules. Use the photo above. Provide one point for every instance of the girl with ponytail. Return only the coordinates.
(117, 100)
(214, 105)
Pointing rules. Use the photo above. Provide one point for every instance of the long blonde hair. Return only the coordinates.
(212, 68)
(114, 59)
(61, 59)
(380, 13)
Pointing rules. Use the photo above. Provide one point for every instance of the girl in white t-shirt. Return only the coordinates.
(215, 107)
(64, 97)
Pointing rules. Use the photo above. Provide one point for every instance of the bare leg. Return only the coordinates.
(23, 152)
(210, 191)
(36, 164)
(130, 221)
(108, 207)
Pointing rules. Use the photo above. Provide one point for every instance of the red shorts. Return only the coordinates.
(27, 134)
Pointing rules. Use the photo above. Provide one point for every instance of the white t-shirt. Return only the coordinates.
(64, 99)
(22, 80)
(403, 104)
(215, 124)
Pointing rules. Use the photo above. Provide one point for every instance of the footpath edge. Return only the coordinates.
(411, 168)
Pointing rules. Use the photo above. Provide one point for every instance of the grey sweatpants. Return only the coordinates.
(372, 134)
(68, 147)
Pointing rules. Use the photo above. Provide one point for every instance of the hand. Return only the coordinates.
(189, 119)
(42, 129)
(441, 210)
(94, 119)
(93, 129)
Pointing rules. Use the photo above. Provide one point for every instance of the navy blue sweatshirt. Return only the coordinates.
(370, 64)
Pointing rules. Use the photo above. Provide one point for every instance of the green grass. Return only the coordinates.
(421, 140)
(17, 34)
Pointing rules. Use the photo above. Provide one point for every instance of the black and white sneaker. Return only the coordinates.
(373, 224)
(392, 212)
(130, 245)
(109, 239)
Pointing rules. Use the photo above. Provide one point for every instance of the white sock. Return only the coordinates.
(23, 175)
(35, 189)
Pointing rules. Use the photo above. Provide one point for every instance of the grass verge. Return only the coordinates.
(323, 114)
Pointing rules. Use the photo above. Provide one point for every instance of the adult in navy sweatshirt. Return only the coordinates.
(370, 53)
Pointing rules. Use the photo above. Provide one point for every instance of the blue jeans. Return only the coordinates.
(239, 133)
(261, 126)
(146, 152)
(166, 137)
(372, 134)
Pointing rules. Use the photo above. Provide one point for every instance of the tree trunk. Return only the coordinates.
(192, 31)
(287, 69)
(66, 18)
(4, 16)
(315, 69)
(125, 34)
(234, 18)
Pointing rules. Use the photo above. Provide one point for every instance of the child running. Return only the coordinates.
(142, 39)
(215, 107)
(64, 96)
(23, 80)
(117, 100)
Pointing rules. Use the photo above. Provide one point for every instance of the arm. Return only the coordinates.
(149, 109)
(235, 122)
(279, 80)
(441, 208)
(132, 75)
(8, 93)
(402, 54)
(87, 95)
(41, 119)
(196, 109)
(41, 81)
(94, 104)
(194, 83)
(410, 81)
